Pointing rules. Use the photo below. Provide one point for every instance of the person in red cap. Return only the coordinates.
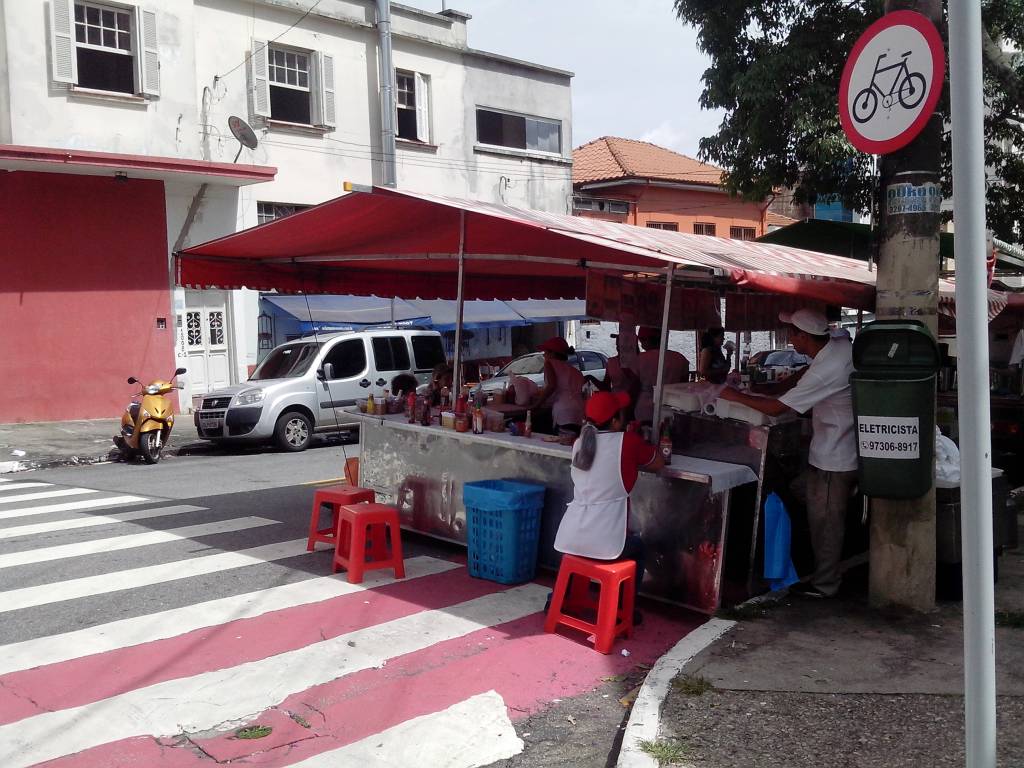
(677, 369)
(563, 386)
(606, 463)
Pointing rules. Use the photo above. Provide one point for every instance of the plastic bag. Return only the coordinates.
(947, 462)
(778, 564)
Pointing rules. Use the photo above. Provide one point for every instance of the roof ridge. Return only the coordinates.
(664, 149)
(618, 158)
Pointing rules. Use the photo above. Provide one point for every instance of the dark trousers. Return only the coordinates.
(634, 549)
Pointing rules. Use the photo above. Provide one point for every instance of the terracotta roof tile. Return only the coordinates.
(778, 220)
(609, 158)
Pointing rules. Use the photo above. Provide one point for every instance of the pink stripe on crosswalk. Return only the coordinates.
(525, 666)
(89, 679)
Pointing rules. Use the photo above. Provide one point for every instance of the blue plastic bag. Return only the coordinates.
(778, 564)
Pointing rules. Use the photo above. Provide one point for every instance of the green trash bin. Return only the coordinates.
(894, 407)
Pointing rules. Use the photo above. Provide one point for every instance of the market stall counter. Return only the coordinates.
(682, 511)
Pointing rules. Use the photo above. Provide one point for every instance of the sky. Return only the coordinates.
(637, 66)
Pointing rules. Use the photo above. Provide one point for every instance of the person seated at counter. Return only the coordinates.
(824, 389)
(606, 463)
(403, 384)
(563, 386)
(677, 369)
(441, 379)
(712, 364)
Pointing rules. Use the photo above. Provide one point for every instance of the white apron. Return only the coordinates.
(594, 524)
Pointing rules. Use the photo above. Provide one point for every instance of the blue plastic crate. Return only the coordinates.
(503, 526)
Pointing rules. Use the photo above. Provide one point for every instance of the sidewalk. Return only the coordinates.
(58, 443)
(803, 683)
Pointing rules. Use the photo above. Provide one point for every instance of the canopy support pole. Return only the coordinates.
(459, 302)
(662, 347)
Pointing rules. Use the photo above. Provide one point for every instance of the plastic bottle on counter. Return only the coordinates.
(528, 428)
(371, 406)
(665, 442)
(462, 403)
(478, 420)
(410, 406)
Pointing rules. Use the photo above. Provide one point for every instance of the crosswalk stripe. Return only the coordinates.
(89, 521)
(130, 541)
(37, 495)
(102, 584)
(203, 701)
(72, 506)
(179, 621)
(472, 733)
(20, 486)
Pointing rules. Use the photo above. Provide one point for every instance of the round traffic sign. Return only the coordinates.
(891, 82)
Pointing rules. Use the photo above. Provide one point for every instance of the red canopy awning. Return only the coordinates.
(396, 243)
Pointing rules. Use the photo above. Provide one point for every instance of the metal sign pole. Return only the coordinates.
(973, 386)
(459, 301)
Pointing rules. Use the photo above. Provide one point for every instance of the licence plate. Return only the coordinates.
(209, 425)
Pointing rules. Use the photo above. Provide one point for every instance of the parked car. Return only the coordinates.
(531, 367)
(300, 386)
(779, 358)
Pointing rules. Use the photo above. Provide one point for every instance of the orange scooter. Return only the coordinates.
(146, 426)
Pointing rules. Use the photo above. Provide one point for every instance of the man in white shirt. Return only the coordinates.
(824, 389)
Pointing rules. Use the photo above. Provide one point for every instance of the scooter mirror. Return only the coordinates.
(132, 380)
(180, 371)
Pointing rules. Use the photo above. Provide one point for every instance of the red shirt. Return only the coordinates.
(635, 454)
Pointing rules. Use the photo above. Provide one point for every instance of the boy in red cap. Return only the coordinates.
(606, 463)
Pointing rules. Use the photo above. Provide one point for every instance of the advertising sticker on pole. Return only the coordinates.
(891, 82)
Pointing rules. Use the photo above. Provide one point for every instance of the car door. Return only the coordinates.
(390, 358)
(346, 364)
(592, 364)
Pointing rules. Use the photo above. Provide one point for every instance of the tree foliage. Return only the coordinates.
(775, 71)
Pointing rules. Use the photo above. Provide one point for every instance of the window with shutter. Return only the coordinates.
(258, 83)
(105, 47)
(412, 104)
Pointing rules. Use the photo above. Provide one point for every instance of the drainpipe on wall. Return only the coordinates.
(387, 94)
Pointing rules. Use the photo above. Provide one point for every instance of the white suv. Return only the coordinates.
(300, 386)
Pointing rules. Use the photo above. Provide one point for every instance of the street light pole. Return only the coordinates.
(965, 77)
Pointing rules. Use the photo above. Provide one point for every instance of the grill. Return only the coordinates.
(216, 402)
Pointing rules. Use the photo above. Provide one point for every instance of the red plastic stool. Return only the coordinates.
(615, 578)
(333, 497)
(363, 532)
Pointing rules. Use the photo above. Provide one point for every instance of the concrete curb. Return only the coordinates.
(645, 719)
(7, 467)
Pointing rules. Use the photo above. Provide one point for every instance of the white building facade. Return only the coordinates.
(162, 77)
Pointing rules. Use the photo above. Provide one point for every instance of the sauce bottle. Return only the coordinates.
(665, 442)
(528, 429)
(410, 406)
(371, 406)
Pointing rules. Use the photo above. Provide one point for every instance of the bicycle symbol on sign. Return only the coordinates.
(908, 88)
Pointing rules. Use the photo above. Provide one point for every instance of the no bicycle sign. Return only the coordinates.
(891, 82)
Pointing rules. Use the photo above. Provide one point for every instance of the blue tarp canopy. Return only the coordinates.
(345, 312)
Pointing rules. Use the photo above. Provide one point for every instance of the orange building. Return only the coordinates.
(639, 183)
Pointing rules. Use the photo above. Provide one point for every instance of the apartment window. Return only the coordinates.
(704, 228)
(504, 129)
(104, 47)
(269, 211)
(292, 86)
(412, 99)
(669, 226)
(601, 205)
(742, 233)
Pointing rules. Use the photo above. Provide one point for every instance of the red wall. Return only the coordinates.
(83, 277)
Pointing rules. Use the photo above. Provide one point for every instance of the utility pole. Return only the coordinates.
(902, 550)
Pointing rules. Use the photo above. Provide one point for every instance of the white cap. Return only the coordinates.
(807, 320)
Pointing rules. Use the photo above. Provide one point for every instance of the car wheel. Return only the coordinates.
(293, 431)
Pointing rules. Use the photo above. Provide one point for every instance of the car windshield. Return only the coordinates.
(286, 362)
(524, 366)
(785, 357)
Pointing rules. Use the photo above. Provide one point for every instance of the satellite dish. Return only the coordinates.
(246, 136)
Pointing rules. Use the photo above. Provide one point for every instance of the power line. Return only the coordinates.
(253, 52)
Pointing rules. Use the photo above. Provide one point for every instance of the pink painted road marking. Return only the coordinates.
(81, 681)
(525, 666)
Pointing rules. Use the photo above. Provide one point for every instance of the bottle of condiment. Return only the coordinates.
(528, 429)
(371, 406)
(462, 403)
(478, 421)
(665, 443)
(425, 411)
(410, 406)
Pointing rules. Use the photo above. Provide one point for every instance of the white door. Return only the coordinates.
(205, 334)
